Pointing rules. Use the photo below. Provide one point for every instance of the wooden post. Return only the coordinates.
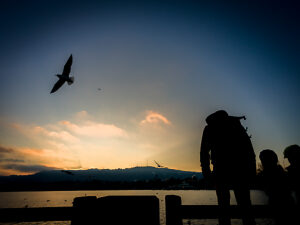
(116, 210)
(85, 210)
(173, 214)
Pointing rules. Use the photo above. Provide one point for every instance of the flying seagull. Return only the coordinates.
(64, 76)
(158, 165)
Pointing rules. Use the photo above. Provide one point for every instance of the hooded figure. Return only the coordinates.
(227, 146)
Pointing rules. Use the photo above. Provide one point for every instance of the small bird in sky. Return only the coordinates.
(64, 76)
(158, 165)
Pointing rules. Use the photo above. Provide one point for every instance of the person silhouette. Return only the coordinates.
(274, 183)
(226, 145)
(292, 153)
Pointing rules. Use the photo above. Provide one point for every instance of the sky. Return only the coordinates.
(162, 66)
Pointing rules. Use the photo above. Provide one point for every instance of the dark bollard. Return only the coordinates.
(116, 210)
(85, 210)
(173, 212)
(87, 201)
(134, 210)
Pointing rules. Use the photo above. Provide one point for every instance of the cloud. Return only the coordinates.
(78, 142)
(9, 155)
(27, 168)
(18, 160)
(29, 160)
(70, 133)
(155, 118)
(82, 115)
(62, 134)
(12, 160)
(5, 150)
(42, 134)
(94, 129)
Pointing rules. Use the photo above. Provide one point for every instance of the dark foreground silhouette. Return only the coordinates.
(134, 210)
(275, 183)
(292, 153)
(90, 210)
(226, 144)
(116, 210)
(64, 77)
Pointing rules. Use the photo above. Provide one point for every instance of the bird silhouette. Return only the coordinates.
(158, 165)
(64, 76)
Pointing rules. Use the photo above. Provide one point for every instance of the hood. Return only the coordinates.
(217, 117)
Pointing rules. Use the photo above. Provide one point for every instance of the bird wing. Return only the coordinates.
(157, 163)
(57, 85)
(67, 67)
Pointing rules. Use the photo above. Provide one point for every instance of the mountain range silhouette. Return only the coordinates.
(121, 175)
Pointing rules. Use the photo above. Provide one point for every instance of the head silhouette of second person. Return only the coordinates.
(292, 153)
(269, 159)
(274, 179)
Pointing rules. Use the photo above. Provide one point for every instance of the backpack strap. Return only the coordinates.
(239, 117)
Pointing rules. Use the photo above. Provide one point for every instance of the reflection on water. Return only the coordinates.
(65, 198)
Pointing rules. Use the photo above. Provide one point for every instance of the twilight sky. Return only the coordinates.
(162, 66)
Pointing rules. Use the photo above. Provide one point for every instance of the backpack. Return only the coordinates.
(231, 144)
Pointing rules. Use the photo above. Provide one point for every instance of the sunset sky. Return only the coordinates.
(162, 66)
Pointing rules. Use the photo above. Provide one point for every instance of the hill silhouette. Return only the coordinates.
(136, 177)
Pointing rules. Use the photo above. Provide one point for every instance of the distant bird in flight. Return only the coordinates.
(64, 76)
(158, 165)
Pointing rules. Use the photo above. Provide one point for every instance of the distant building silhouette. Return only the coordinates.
(227, 146)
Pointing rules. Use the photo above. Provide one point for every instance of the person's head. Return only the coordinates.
(218, 117)
(292, 153)
(268, 158)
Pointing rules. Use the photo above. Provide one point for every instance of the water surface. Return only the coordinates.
(65, 198)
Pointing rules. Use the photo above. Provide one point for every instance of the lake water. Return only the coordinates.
(65, 198)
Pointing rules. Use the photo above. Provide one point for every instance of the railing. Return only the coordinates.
(36, 214)
(109, 210)
(175, 211)
(134, 210)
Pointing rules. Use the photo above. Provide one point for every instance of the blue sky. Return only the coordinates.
(163, 66)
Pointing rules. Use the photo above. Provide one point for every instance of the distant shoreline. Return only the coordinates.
(100, 189)
(136, 178)
(120, 189)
